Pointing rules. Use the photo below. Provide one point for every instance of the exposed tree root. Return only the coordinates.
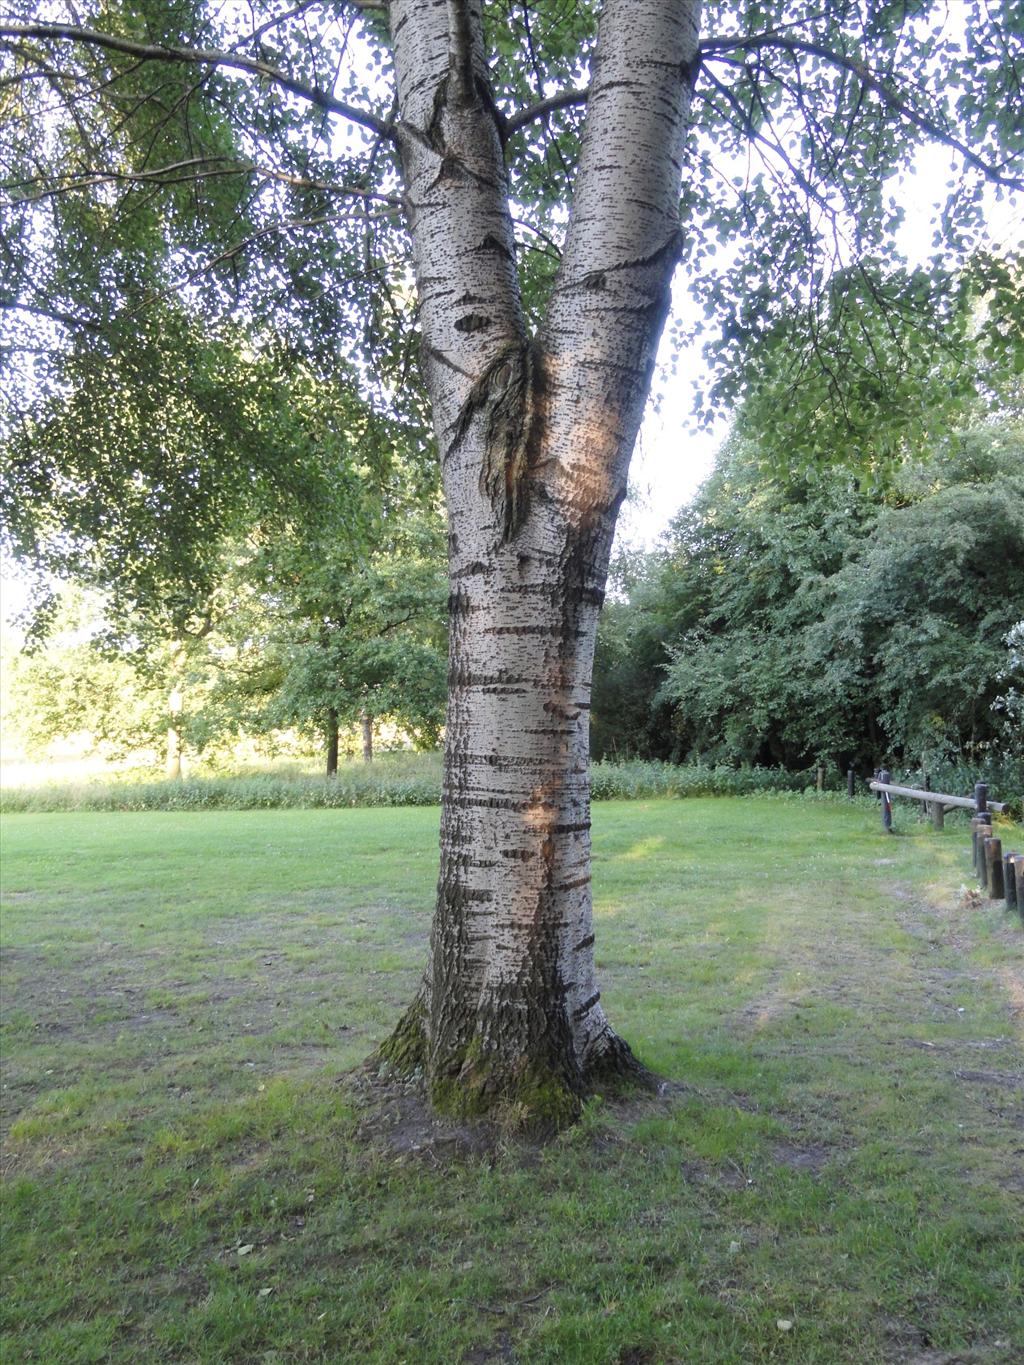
(613, 1064)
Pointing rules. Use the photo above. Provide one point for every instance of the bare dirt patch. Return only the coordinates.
(812, 1158)
(1013, 1080)
(397, 1119)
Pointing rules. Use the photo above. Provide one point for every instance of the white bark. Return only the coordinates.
(172, 756)
(536, 438)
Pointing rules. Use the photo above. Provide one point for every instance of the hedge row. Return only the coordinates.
(415, 780)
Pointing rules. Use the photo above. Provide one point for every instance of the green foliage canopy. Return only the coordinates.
(825, 619)
(243, 160)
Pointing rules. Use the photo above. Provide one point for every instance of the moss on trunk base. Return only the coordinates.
(521, 1098)
(404, 1054)
(524, 1095)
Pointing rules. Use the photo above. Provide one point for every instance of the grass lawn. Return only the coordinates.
(837, 1174)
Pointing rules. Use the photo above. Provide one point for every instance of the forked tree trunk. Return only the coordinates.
(536, 435)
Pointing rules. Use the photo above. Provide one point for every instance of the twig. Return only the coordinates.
(197, 56)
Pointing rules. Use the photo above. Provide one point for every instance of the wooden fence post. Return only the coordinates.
(850, 779)
(1010, 880)
(982, 868)
(981, 797)
(980, 826)
(994, 868)
(886, 776)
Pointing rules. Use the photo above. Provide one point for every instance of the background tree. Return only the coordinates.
(130, 479)
(537, 378)
(150, 478)
(340, 632)
(917, 617)
(1009, 704)
(69, 686)
(628, 717)
(818, 618)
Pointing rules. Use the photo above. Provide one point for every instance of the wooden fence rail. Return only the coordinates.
(1001, 875)
(938, 802)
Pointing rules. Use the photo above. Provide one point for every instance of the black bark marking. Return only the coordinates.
(621, 84)
(473, 322)
(573, 885)
(459, 604)
(471, 570)
(460, 678)
(492, 243)
(509, 762)
(442, 359)
(665, 254)
(562, 711)
(587, 1006)
(552, 632)
(516, 805)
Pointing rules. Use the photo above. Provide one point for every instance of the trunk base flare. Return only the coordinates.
(518, 1092)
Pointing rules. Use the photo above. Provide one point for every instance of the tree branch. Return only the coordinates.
(746, 125)
(711, 47)
(172, 175)
(268, 230)
(273, 22)
(460, 53)
(198, 56)
(565, 99)
(52, 315)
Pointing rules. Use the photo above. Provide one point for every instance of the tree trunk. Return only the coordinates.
(536, 436)
(331, 729)
(366, 721)
(172, 761)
